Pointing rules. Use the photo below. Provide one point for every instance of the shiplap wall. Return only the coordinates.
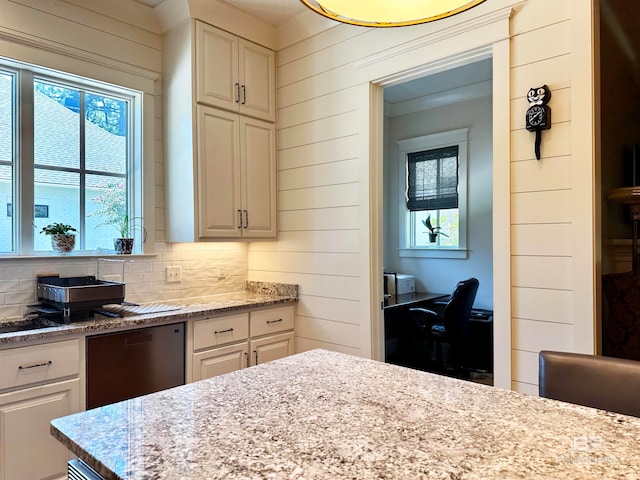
(324, 179)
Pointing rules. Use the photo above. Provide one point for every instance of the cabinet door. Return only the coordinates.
(257, 81)
(219, 200)
(219, 361)
(258, 152)
(27, 449)
(217, 68)
(271, 348)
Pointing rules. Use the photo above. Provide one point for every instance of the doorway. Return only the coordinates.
(451, 106)
(498, 55)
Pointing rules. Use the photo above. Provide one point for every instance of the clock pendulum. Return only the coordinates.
(538, 116)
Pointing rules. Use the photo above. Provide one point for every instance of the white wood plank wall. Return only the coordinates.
(541, 209)
(322, 164)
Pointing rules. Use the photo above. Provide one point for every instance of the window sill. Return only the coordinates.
(432, 252)
(39, 255)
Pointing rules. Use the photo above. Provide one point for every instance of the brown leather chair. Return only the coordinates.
(601, 382)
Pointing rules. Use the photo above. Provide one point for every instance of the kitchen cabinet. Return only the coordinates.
(234, 74)
(236, 175)
(232, 342)
(220, 161)
(40, 383)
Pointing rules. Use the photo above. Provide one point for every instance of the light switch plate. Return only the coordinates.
(174, 274)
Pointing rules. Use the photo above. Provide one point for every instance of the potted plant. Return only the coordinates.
(433, 231)
(113, 210)
(62, 240)
(125, 226)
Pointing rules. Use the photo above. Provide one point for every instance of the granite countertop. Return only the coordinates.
(257, 294)
(326, 415)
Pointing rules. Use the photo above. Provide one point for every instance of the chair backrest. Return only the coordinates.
(601, 382)
(458, 311)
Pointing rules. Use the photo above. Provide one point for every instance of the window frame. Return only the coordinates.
(406, 226)
(24, 156)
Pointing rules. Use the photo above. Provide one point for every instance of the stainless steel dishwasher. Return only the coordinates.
(136, 362)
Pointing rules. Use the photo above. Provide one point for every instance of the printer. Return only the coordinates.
(399, 283)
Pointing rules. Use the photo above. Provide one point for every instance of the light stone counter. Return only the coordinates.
(325, 415)
(257, 295)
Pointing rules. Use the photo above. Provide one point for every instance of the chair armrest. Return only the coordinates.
(424, 318)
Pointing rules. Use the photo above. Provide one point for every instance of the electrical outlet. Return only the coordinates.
(174, 274)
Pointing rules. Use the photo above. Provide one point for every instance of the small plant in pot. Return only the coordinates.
(113, 210)
(62, 240)
(433, 231)
(125, 226)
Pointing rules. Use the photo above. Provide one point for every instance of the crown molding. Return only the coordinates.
(452, 31)
(75, 53)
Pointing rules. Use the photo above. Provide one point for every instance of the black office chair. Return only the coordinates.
(606, 383)
(451, 326)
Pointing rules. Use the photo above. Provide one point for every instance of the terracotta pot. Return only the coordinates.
(63, 243)
(123, 245)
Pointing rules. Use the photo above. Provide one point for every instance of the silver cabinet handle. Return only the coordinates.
(244, 94)
(274, 321)
(237, 93)
(43, 364)
(239, 218)
(246, 219)
(216, 332)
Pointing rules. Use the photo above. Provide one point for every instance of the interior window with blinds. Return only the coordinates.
(432, 196)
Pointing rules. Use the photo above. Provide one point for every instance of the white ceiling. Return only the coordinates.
(273, 12)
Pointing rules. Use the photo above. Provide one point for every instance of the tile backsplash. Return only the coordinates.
(207, 269)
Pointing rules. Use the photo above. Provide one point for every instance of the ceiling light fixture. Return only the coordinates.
(388, 13)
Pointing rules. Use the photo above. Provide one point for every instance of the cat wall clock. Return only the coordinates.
(538, 116)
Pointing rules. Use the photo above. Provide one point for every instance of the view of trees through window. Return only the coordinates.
(80, 162)
(449, 222)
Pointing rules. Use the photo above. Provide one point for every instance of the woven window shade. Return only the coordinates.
(433, 179)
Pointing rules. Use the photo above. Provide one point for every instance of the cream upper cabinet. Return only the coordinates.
(234, 74)
(236, 175)
(220, 152)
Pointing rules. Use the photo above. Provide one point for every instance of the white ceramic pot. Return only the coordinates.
(63, 243)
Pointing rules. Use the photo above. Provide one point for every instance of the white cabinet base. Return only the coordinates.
(219, 361)
(271, 348)
(27, 449)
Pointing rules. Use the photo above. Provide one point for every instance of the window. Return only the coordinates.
(67, 154)
(433, 168)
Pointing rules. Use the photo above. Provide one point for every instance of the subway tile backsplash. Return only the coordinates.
(207, 269)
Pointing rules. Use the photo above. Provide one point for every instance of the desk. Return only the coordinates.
(412, 299)
(479, 350)
(326, 415)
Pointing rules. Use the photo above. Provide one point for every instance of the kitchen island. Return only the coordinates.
(326, 415)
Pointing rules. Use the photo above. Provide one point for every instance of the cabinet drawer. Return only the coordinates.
(272, 320)
(218, 331)
(39, 363)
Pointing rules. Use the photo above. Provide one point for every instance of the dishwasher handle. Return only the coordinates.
(138, 339)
